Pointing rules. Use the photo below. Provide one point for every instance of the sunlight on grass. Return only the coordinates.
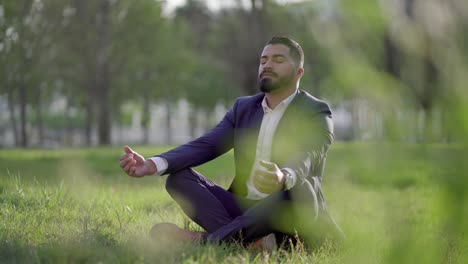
(396, 204)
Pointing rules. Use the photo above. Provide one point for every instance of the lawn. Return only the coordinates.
(397, 203)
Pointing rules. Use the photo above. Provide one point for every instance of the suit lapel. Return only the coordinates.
(257, 117)
(286, 130)
(245, 145)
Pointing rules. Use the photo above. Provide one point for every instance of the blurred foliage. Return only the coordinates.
(400, 66)
(59, 122)
(406, 55)
(396, 204)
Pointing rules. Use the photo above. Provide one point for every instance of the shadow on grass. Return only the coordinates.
(96, 248)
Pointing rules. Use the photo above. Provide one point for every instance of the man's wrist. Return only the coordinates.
(289, 179)
(286, 174)
(152, 167)
(161, 165)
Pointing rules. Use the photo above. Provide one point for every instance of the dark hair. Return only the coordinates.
(295, 50)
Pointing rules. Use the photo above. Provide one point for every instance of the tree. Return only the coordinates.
(21, 46)
(89, 33)
(204, 82)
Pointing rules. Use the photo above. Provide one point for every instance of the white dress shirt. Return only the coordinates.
(271, 118)
(270, 121)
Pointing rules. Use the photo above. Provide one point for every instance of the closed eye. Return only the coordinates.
(279, 58)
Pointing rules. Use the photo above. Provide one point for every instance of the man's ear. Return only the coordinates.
(300, 72)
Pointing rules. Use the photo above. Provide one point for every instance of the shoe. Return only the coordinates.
(171, 232)
(266, 244)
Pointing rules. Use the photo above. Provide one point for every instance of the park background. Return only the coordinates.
(80, 78)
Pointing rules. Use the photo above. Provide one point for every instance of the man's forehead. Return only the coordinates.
(275, 49)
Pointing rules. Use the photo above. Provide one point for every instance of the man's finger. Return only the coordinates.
(123, 162)
(264, 186)
(128, 158)
(129, 165)
(126, 155)
(263, 179)
(133, 171)
(266, 174)
(268, 165)
(128, 150)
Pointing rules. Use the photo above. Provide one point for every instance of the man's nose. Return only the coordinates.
(267, 65)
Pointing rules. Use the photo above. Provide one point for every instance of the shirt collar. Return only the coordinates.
(283, 104)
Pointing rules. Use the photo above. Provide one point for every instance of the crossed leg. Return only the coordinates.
(206, 203)
(226, 218)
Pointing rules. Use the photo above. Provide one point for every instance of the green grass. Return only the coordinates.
(396, 204)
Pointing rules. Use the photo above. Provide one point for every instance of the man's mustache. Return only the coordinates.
(270, 73)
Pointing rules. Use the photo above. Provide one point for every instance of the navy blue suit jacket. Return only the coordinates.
(301, 140)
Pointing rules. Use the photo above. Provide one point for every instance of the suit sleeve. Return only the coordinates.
(211, 145)
(309, 161)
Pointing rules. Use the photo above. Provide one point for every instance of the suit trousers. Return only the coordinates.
(227, 217)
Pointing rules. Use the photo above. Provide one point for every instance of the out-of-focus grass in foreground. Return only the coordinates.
(396, 203)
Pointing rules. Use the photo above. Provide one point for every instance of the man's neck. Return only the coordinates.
(276, 97)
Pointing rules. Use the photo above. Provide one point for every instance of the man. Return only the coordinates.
(280, 139)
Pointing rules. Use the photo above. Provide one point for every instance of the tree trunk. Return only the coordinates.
(68, 124)
(257, 33)
(11, 108)
(168, 122)
(253, 4)
(208, 120)
(39, 116)
(356, 128)
(104, 122)
(23, 69)
(23, 114)
(391, 56)
(145, 116)
(85, 50)
(102, 73)
(193, 122)
(89, 116)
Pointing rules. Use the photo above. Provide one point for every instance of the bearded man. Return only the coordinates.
(280, 139)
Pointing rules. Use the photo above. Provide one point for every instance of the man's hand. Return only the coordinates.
(268, 178)
(135, 165)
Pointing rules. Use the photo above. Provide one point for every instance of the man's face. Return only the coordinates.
(277, 69)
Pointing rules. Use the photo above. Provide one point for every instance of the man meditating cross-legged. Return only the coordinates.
(280, 139)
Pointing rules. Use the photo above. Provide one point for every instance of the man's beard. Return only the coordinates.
(267, 85)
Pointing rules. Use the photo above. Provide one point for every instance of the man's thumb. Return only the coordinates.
(267, 164)
(128, 150)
